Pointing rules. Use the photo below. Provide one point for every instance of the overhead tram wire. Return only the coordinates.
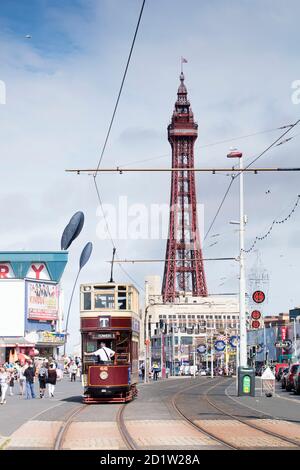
(109, 131)
(121, 88)
(211, 144)
(289, 127)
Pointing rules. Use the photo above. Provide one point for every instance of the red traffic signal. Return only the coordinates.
(258, 296)
(255, 315)
(255, 324)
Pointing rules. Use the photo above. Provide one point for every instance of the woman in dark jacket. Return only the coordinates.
(52, 376)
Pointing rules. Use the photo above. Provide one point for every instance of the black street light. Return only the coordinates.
(84, 257)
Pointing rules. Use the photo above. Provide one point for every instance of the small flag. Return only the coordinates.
(183, 60)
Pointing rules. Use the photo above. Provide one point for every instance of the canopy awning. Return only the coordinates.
(14, 342)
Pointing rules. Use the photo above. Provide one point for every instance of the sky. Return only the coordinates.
(61, 87)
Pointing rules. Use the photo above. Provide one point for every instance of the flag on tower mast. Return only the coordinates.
(183, 61)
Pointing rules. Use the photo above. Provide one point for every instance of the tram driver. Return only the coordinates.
(104, 353)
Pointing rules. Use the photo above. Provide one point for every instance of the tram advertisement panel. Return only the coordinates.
(42, 300)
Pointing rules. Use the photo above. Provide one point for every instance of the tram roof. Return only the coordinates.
(109, 284)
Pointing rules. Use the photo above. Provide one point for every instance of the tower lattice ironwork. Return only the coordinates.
(184, 269)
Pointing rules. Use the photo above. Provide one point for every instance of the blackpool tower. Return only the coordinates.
(184, 269)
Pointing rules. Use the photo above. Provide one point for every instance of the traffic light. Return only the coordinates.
(256, 320)
(252, 352)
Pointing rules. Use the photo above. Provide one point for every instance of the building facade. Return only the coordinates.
(31, 303)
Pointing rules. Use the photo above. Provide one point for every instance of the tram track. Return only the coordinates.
(123, 432)
(190, 421)
(60, 438)
(207, 402)
(251, 425)
(226, 414)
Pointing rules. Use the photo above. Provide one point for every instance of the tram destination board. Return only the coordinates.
(103, 335)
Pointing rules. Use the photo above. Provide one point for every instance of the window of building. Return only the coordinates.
(87, 301)
(186, 340)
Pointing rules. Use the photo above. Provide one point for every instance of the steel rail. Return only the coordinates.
(251, 425)
(191, 423)
(130, 443)
(59, 440)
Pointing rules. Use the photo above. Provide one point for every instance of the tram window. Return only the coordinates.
(86, 301)
(121, 299)
(104, 301)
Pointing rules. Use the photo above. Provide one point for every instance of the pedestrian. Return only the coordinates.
(52, 377)
(4, 379)
(22, 380)
(143, 371)
(43, 376)
(73, 371)
(29, 374)
(11, 382)
(155, 371)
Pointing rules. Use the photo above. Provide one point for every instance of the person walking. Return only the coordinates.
(52, 377)
(4, 379)
(43, 376)
(12, 378)
(22, 380)
(156, 370)
(29, 374)
(73, 371)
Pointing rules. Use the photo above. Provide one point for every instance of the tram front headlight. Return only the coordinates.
(103, 375)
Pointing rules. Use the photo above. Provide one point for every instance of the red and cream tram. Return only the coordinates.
(109, 313)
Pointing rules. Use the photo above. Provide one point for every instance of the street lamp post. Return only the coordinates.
(243, 329)
(242, 294)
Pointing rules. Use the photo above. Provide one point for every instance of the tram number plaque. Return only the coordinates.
(258, 296)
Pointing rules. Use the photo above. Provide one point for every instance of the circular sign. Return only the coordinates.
(219, 345)
(255, 314)
(201, 349)
(255, 324)
(233, 341)
(258, 296)
(103, 375)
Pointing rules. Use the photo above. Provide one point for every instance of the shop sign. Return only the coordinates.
(50, 337)
(42, 301)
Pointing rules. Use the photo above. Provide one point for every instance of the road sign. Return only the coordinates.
(201, 349)
(285, 344)
(255, 315)
(258, 296)
(233, 341)
(219, 345)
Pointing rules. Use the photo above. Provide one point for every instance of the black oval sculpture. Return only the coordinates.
(72, 230)
(85, 254)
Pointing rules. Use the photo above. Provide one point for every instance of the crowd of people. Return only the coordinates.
(45, 372)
